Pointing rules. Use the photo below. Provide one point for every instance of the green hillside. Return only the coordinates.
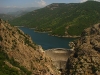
(7, 17)
(7, 70)
(62, 19)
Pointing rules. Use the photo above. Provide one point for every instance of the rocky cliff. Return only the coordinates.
(86, 58)
(20, 56)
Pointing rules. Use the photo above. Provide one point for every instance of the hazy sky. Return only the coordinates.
(34, 3)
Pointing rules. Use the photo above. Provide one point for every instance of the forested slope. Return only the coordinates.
(62, 19)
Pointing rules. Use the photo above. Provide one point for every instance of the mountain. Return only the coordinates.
(21, 11)
(7, 17)
(8, 10)
(19, 55)
(86, 57)
(62, 19)
(14, 12)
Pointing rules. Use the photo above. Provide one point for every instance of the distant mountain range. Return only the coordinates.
(62, 19)
(7, 17)
(11, 13)
(21, 11)
(8, 10)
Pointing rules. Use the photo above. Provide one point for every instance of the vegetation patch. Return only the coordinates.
(57, 18)
(6, 70)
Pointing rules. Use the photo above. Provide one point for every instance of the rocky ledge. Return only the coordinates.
(86, 57)
(20, 56)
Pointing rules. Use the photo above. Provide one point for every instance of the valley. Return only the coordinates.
(60, 19)
(55, 39)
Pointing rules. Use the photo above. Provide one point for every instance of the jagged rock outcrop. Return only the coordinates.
(22, 54)
(86, 58)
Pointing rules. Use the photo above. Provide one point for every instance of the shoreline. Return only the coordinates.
(67, 36)
(19, 26)
(40, 32)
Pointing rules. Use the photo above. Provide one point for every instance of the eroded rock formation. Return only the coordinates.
(19, 47)
(86, 58)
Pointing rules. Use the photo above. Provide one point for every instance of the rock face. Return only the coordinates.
(19, 47)
(86, 58)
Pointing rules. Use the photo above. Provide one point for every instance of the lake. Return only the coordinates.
(47, 41)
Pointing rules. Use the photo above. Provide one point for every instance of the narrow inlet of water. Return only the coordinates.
(47, 41)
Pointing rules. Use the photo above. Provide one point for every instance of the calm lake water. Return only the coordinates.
(47, 41)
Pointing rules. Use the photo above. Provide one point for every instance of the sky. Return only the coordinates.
(34, 3)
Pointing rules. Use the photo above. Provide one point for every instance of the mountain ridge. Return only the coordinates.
(62, 19)
(6, 17)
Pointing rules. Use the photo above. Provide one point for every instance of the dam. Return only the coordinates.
(59, 56)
